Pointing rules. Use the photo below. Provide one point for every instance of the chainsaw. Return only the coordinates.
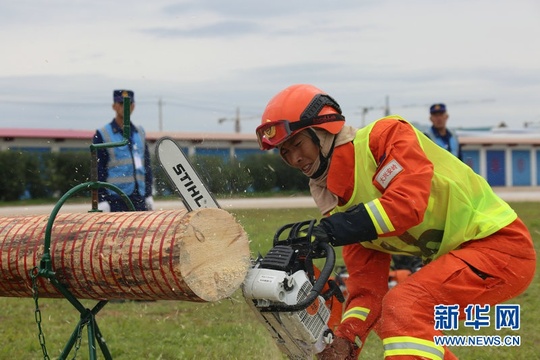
(284, 289)
(288, 298)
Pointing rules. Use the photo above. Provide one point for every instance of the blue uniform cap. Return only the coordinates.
(437, 109)
(119, 95)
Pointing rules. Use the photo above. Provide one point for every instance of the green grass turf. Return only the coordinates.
(226, 329)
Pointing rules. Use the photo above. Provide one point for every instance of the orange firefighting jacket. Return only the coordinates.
(411, 188)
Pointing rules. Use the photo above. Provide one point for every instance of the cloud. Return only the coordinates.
(267, 9)
(215, 30)
(205, 58)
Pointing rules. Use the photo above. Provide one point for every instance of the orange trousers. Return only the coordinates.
(486, 271)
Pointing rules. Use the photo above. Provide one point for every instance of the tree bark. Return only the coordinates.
(199, 256)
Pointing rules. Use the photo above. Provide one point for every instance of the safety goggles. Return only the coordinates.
(273, 133)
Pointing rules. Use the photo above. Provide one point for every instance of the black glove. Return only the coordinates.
(345, 228)
(320, 234)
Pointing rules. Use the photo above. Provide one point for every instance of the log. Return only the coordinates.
(198, 256)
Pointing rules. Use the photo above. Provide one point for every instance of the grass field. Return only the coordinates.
(223, 330)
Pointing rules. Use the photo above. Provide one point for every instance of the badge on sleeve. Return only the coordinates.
(388, 172)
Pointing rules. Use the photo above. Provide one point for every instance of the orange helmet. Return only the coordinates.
(294, 109)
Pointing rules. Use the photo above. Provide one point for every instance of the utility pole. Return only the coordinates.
(236, 120)
(160, 114)
(366, 109)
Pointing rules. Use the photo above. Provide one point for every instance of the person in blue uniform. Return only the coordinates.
(439, 133)
(128, 166)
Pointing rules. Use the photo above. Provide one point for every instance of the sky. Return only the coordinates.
(204, 60)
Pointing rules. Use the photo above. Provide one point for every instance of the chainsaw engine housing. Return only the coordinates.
(272, 285)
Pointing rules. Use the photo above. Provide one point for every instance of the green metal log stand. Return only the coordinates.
(45, 270)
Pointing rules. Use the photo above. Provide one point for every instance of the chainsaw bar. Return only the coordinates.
(193, 191)
(195, 195)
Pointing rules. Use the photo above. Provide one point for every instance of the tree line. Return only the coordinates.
(26, 175)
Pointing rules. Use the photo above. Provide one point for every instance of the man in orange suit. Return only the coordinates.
(388, 189)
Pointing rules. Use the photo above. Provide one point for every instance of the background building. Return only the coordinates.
(504, 157)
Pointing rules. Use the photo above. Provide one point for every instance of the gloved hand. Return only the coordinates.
(149, 201)
(339, 349)
(345, 228)
(104, 206)
(320, 234)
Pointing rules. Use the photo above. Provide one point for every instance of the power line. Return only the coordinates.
(386, 107)
(366, 109)
(51, 103)
(236, 120)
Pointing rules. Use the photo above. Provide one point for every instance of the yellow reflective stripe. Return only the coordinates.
(408, 345)
(356, 312)
(381, 221)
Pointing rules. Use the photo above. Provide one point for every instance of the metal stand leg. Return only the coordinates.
(88, 318)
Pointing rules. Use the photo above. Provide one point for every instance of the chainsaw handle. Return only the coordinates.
(317, 286)
(328, 267)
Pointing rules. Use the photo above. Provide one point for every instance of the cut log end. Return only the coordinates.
(214, 254)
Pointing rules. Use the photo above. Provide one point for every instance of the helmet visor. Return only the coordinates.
(273, 133)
